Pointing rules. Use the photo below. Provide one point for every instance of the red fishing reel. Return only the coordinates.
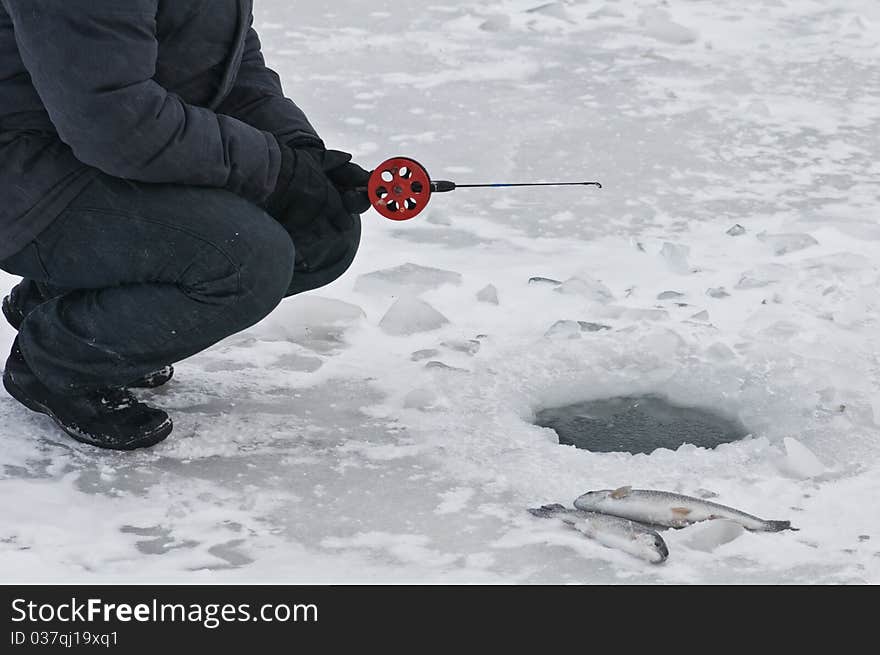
(399, 188)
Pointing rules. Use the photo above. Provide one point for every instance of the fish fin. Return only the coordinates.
(622, 492)
(681, 511)
(546, 511)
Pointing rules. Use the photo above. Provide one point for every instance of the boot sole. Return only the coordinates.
(151, 439)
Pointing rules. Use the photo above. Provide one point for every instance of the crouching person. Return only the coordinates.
(158, 193)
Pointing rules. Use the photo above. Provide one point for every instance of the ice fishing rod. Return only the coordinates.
(400, 188)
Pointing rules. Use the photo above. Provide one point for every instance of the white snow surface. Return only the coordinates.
(315, 448)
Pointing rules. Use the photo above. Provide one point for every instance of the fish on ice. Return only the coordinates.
(611, 531)
(670, 510)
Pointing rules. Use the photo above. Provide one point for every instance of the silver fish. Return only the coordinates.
(668, 509)
(637, 540)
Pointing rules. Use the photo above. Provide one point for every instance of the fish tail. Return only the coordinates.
(779, 526)
(546, 511)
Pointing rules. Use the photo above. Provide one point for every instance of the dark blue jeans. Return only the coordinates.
(139, 276)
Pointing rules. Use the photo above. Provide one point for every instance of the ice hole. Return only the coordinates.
(638, 425)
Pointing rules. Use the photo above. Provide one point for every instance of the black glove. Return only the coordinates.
(304, 194)
(346, 176)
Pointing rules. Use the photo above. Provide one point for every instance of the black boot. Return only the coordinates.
(26, 295)
(112, 418)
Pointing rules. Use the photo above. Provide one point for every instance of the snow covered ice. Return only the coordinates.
(314, 449)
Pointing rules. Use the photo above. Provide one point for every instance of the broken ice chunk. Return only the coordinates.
(593, 327)
(564, 330)
(799, 461)
(676, 257)
(607, 11)
(736, 231)
(718, 292)
(670, 295)
(748, 282)
(405, 279)
(496, 23)
(488, 294)
(762, 276)
(659, 25)
(783, 244)
(410, 315)
(544, 280)
(701, 316)
(443, 367)
(709, 536)
(589, 288)
(573, 329)
(313, 321)
(421, 355)
(467, 346)
(664, 343)
(719, 352)
(552, 9)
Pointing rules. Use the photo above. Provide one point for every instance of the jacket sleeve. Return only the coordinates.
(258, 99)
(93, 61)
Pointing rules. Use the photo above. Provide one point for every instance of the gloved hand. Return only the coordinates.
(315, 185)
(346, 177)
(304, 195)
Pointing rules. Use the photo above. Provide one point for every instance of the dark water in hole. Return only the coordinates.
(638, 425)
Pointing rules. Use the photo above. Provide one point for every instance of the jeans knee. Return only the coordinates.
(248, 269)
(266, 270)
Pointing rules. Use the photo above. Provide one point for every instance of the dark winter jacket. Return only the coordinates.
(164, 91)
